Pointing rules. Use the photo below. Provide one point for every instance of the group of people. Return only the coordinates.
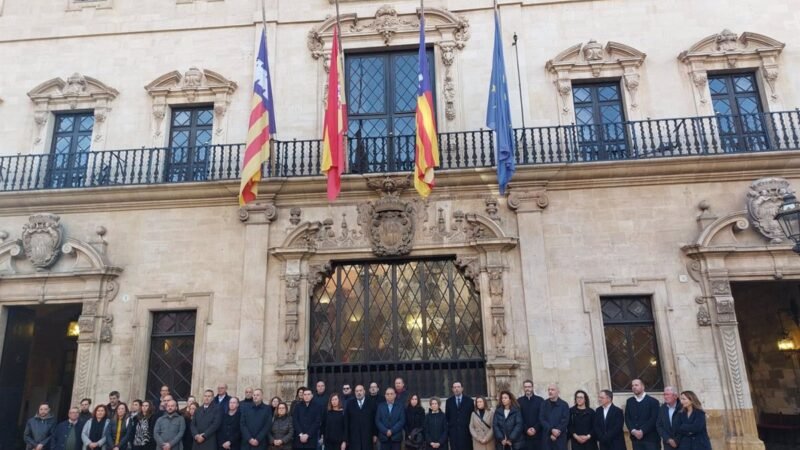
(361, 419)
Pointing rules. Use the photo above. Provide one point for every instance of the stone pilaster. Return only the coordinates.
(257, 218)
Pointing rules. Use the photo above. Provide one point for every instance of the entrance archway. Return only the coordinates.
(40, 349)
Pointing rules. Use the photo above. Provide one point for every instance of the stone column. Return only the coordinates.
(252, 320)
(535, 285)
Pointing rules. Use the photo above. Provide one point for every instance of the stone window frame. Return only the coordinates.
(79, 5)
(656, 288)
(593, 61)
(143, 308)
(78, 92)
(726, 51)
(446, 31)
(194, 87)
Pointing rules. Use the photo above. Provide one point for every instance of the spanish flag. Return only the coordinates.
(262, 124)
(427, 148)
(335, 127)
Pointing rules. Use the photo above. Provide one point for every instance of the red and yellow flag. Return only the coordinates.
(427, 146)
(335, 126)
(262, 124)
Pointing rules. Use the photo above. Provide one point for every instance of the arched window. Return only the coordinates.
(419, 319)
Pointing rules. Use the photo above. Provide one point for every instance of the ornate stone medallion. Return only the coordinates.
(763, 200)
(41, 239)
(388, 222)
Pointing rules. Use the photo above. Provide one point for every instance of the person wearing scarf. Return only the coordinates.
(118, 430)
(94, 431)
(142, 428)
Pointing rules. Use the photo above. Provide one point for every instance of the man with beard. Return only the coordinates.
(256, 423)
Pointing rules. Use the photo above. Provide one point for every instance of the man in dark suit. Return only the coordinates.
(222, 398)
(360, 419)
(608, 422)
(256, 422)
(458, 412)
(667, 415)
(307, 421)
(530, 405)
(390, 420)
(67, 434)
(641, 413)
(554, 417)
(205, 423)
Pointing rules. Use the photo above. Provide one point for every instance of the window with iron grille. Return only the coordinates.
(420, 320)
(381, 102)
(631, 342)
(69, 152)
(189, 143)
(600, 121)
(171, 353)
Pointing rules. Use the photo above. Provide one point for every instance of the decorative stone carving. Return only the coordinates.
(444, 29)
(727, 50)
(291, 334)
(498, 310)
(194, 86)
(266, 213)
(763, 201)
(720, 287)
(106, 334)
(317, 273)
(77, 92)
(388, 222)
(730, 344)
(592, 60)
(703, 316)
(86, 325)
(41, 239)
(524, 201)
(491, 208)
(470, 266)
(294, 216)
(725, 309)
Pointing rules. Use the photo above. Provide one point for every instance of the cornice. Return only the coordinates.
(451, 184)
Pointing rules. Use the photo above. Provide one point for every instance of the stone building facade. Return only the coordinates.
(677, 224)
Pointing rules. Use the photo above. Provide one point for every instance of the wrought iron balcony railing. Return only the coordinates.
(652, 138)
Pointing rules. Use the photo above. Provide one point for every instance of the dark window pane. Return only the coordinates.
(601, 121)
(372, 321)
(405, 84)
(737, 106)
(72, 140)
(190, 137)
(631, 342)
(744, 84)
(367, 85)
(171, 353)
(717, 86)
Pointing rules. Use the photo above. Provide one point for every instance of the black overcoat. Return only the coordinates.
(360, 424)
(458, 422)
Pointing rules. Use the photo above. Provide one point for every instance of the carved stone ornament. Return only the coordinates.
(764, 198)
(448, 31)
(41, 239)
(106, 333)
(389, 221)
(727, 50)
(77, 92)
(592, 60)
(291, 333)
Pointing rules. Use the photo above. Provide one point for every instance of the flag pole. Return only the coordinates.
(519, 81)
(346, 161)
(271, 143)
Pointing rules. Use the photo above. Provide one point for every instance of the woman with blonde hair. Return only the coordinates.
(691, 424)
(480, 425)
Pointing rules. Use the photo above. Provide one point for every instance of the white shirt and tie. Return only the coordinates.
(360, 403)
(605, 411)
(458, 402)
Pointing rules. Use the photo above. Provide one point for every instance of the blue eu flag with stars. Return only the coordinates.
(498, 113)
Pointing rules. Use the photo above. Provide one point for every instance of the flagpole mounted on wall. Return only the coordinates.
(271, 143)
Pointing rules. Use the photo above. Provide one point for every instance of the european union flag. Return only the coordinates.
(498, 112)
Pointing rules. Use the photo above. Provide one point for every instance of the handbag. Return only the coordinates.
(415, 438)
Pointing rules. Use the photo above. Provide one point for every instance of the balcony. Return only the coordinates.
(572, 144)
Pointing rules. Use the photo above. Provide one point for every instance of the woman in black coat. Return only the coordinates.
(333, 426)
(435, 427)
(690, 425)
(229, 434)
(140, 429)
(188, 440)
(507, 423)
(415, 420)
(581, 423)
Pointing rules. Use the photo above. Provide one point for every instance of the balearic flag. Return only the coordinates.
(498, 112)
(262, 125)
(335, 126)
(427, 145)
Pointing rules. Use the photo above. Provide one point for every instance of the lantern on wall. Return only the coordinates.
(788, 217)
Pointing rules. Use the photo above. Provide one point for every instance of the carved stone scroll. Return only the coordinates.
(763, 201)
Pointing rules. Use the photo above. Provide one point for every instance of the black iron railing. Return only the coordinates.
(641, 139)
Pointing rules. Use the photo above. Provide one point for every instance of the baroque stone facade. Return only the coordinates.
(678, 231)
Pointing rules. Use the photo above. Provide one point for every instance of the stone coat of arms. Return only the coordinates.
(41, 239)
(388, 222)
(764, 198)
